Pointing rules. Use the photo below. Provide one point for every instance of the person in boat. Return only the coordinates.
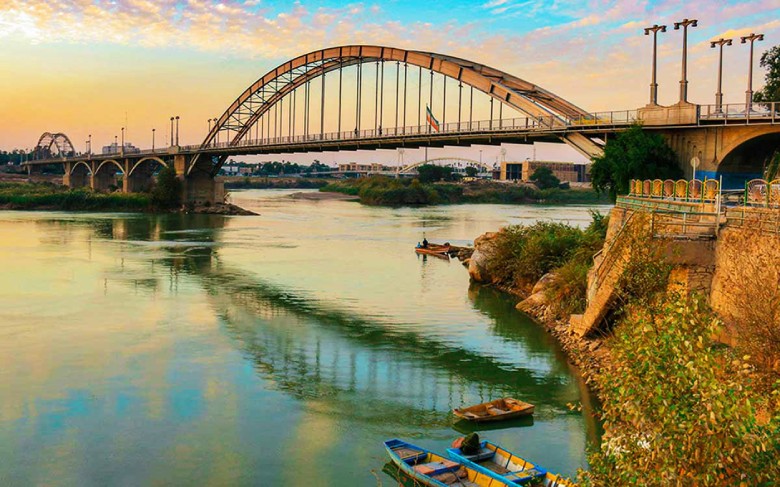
(425, 243)
(419, 246)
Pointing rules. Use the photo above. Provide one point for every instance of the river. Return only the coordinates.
(279, 349)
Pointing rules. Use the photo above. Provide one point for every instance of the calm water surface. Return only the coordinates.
(268, 350)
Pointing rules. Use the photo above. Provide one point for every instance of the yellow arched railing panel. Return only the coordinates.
(681, 189)
(695, 189)
(658, 188)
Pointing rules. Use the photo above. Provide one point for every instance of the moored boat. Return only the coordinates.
(505, 466)
(434, 249)
(498, 410)
(434, 470)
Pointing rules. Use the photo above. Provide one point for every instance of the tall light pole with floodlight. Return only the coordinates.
(153, 131)
(655, 29)
(685, 23)
(177, 131)
(749, 93)
(719, 95)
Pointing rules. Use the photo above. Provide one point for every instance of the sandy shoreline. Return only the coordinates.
(323, 195)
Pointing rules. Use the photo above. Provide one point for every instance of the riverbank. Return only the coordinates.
(264, 182)
(48, 196)
(44, 196)
(384, 191)
(662, 338)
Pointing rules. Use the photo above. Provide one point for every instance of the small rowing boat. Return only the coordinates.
(505, 466)
(434, 249)
(498, 410)
(434, 470)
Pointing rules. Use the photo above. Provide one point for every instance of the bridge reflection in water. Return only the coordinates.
(331, 381)
(375, 371)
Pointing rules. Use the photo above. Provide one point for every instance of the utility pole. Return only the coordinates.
(719, 95)
(685, 23)
(655, 29)
(749, 93)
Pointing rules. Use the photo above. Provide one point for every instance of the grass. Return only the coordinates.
(384, 191)
(45, 196)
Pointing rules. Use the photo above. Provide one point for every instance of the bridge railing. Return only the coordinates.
(545, 123)
(741, 113)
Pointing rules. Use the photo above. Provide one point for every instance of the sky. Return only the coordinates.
(90, 67)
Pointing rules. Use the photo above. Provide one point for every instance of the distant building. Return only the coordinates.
(364, 168)
(114, 149)
(572, 172)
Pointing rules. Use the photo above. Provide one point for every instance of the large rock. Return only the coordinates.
(484, 248)
(543, 283)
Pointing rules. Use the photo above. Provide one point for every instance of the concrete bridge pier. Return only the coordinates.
(104, 175)
(77, 175)
(198, 184)
(139, 177)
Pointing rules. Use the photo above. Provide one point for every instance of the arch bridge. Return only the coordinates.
(361, 97)
(456, 162)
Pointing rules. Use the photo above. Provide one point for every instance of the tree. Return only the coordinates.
(167, 192)
(430, 173)
(633, 154)
(770, 60)
(544, 178)
(471, 171)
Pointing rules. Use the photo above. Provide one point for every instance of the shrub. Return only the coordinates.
(167, 191)
(679, 408)
(526, 253)
(544, 178)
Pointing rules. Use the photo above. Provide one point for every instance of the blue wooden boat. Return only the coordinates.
(434, 470)
(503, 465)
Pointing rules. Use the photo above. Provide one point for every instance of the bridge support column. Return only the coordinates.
(66, 176)
(199, 186)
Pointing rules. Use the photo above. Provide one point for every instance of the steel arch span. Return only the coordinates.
(59, 140)
(446, 161)
(262, 95)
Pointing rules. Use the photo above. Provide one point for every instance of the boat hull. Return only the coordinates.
(506, 466)
(498, 410)
(423, 465)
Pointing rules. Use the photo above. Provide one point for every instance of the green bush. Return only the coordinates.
(166, 193)
(544, 178)
(524, 253)
(679, 408)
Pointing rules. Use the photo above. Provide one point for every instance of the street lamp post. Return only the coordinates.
(655, 29)
(749, 93)
(684, 81)
(90, 145)
(153, 130)
(116, 145)
(177, 130)
(171, 131)
(123, 141)
(719, 95)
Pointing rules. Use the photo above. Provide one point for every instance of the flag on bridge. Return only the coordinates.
(431, 119)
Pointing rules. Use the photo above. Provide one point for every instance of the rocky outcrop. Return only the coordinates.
(537, 303)
(479, 262)
(220, 209)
